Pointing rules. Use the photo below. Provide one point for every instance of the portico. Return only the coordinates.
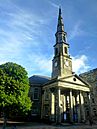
(66, 99)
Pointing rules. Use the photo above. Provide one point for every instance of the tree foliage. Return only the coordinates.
(14, 88)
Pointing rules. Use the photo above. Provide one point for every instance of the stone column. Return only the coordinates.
(74, 108)
(52, 107)
(74, 101)
(82, 107)
(64, 108)
(78, 107)
(71, 106)
(58, 108)
(90, 108)
(64, 103)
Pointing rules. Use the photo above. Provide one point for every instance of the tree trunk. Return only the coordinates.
(5, 121)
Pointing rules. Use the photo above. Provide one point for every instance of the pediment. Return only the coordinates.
(75, 79)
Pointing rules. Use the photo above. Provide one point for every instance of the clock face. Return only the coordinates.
(56, 64)
(66, 63)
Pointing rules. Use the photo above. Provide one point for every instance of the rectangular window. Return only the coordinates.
(46, 110)
(36, 94)
(46, 96)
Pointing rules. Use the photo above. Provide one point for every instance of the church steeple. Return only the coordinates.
(60, 34)
(62, 63)
(60, 26)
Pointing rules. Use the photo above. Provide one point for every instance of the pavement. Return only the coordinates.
(52, 127)
(32, 125)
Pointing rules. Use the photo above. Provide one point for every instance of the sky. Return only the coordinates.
(28, 27)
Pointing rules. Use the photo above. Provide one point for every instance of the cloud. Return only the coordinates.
(20, 31)
(40, 64)
(43, 65)
(53, 4)
(76, 31)
(79, 64)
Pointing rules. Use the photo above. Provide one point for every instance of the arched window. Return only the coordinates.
(93, 100)
(56, 51)
(65, 50)
(64, 38)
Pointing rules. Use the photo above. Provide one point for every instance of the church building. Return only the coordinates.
(61, 97)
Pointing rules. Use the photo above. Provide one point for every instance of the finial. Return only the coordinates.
(59, 10)
(60, 26)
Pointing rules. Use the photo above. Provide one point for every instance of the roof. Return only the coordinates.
(80, 78)
(83, 80)
(88, 72)
(38, 79)
(63, 79)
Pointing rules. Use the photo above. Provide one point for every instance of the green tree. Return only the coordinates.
(14, 88)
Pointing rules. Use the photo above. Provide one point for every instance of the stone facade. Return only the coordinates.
(62, 97)
(91, 78)
(66, 99)
(35, 94)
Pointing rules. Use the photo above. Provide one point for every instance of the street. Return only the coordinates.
(43, 126)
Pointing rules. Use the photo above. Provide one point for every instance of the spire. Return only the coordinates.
(59, 11)
(60, 34)
(60, 26)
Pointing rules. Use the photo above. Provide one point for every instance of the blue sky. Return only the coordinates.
(28, 27)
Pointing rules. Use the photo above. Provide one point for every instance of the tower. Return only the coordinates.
(61, 63)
